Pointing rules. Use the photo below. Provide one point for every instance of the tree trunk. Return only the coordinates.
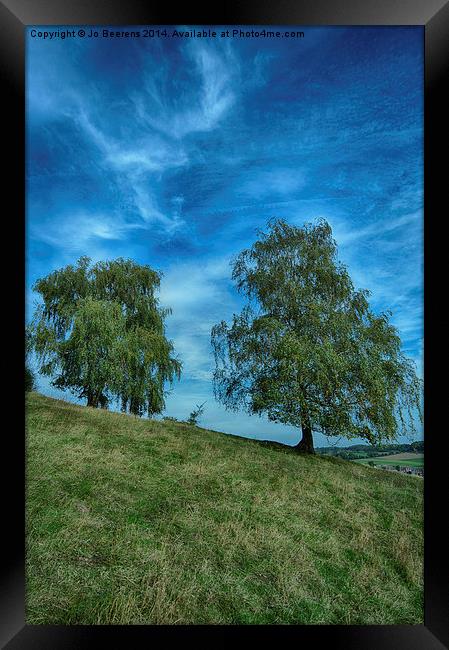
(103, 401)
(305, 445)
(92, 399)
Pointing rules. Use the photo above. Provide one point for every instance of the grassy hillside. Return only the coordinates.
(132, 521)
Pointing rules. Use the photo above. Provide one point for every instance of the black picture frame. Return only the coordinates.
(15, 15)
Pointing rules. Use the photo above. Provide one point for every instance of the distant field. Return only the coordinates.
(407, 459)
(408, 455)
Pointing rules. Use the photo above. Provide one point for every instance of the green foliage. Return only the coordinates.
(196, 414)
(100, 333)
(306, 349)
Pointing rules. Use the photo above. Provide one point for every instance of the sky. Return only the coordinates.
(175, 151)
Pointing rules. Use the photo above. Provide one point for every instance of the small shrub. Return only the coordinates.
(196, 414)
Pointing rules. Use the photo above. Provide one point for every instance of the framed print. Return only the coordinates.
(228, 232)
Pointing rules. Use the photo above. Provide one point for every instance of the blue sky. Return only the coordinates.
(174, 152)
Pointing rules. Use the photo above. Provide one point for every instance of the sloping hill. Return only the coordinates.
(135, 521)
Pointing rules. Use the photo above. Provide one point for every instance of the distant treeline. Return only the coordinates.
(368, 451)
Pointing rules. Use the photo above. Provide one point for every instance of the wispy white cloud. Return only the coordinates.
(150, 154)
(76, 230)
(146, 139)
(138, 169)
(346, 234)
(198, 109)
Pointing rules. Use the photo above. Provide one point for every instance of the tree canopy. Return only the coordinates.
(99, 332)
(307, 350)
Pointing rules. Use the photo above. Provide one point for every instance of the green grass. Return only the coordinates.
(133, 521)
